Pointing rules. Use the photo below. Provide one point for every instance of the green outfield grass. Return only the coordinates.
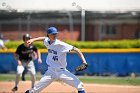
(87, 79)
(111, 80)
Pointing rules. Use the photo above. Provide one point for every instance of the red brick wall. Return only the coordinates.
(12, 32)
(127, 31)
(124, 31)
(90, 32)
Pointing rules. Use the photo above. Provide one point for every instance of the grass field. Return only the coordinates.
(87, 79)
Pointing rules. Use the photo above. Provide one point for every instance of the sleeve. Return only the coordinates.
(45, 41)
(18, 50)
(35, 48)
(67, 47)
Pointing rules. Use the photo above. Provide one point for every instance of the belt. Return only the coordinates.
(26, 60)
(56, 69)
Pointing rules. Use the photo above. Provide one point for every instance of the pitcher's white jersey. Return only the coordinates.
(57, 52)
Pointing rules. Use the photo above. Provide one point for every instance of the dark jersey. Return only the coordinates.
(25, 53)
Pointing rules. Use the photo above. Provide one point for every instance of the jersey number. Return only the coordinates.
(55, 58)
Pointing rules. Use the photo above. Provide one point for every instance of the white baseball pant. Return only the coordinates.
(57, 74)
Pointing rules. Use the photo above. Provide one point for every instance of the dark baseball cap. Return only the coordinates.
(26, 36)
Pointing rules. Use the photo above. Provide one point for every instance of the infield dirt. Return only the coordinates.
(59, 87)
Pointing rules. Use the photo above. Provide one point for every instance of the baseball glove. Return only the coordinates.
(82, 67)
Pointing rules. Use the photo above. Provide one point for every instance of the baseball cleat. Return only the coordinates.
(27, 91)
(15, 89)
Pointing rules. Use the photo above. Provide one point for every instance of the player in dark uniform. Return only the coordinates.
(25, 55)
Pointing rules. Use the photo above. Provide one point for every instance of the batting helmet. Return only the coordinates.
(52, 30)
(26, 36)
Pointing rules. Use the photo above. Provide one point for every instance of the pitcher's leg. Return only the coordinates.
(72, 80)
(44, 82)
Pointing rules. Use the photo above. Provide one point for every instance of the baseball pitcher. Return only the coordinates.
(56, 61)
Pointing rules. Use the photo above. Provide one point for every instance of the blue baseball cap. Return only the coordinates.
(52, 30)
